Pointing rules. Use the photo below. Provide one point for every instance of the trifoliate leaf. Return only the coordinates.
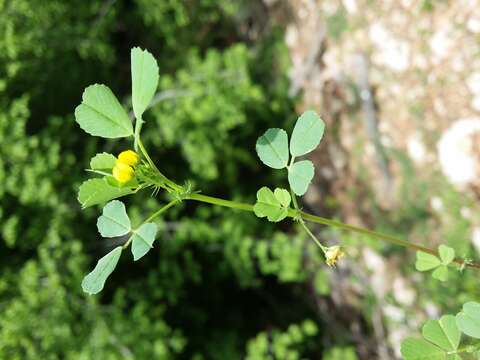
(142, 240)
(103, 161)
(272, 205)
(468, 320)
(447, 254)
(283, 196)
(114, 220)
(440, 273)
(299, 176)
(272, 148)
(426, 261)
(98, 191)
(420, 349)
(100, 114)
(443, 333)
(93, 283)
(307, 133)
(144, 79)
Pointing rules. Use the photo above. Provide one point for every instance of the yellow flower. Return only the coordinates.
(122, 172)
(128, 157)
(333, 254)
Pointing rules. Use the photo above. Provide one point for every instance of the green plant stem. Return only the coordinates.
(161, 210)
(302, 222)
(136, 135)
(151, 217)
(314, 238)
(221, 202)
(167, 181)
(295, 214)
(324, 221)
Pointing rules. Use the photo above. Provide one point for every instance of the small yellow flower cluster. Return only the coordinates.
(123, 171)
(333, 254)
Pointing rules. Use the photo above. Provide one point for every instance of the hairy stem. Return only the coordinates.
(302, 222)
(295, 214)
(167, 181)
(324, 221)
(151, 217)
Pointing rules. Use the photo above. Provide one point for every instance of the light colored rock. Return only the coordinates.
(458, 159)
(476, 238)
(394, 313)
(473, 83)
(441, 44)
(476, 103)
(473, 25)
(436, 204)
(351, 6)
(416, 148)
(379, 279)
(391, 52)
(403, 292)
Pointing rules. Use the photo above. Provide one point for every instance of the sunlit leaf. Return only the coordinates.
(103, 161)
(426, 261)
(100, 113)
(98, 191)
(299, 176)
(271, 205)
(93, 283)
(272, 148)
(144, 79)
(283, 196)
(440, 273)
(447, 254)
(420, 349)
(307, 133)
(114, 220)
(142, 240)
(468, 320)
(443, 333)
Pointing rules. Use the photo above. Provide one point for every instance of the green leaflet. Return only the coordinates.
(426, 262)
(142, 240)
(442, 337)
(307, 133)
(440, 273)
(283, 197)
(100, 114)
(420, 349)
(468, 320)
(299, 176)
(103, 161)
(144, 79)
(443, 333)
(114, 220)
(98, 191)
(273, 205)
(93, 283)
(447, 254)
(272, 148)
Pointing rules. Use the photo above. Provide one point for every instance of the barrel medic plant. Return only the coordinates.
(101, 114)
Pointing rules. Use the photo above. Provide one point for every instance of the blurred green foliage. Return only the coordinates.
(219, 284)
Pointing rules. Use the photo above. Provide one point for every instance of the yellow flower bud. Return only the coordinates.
(333, 254)
(122, 172)
(128, 157)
